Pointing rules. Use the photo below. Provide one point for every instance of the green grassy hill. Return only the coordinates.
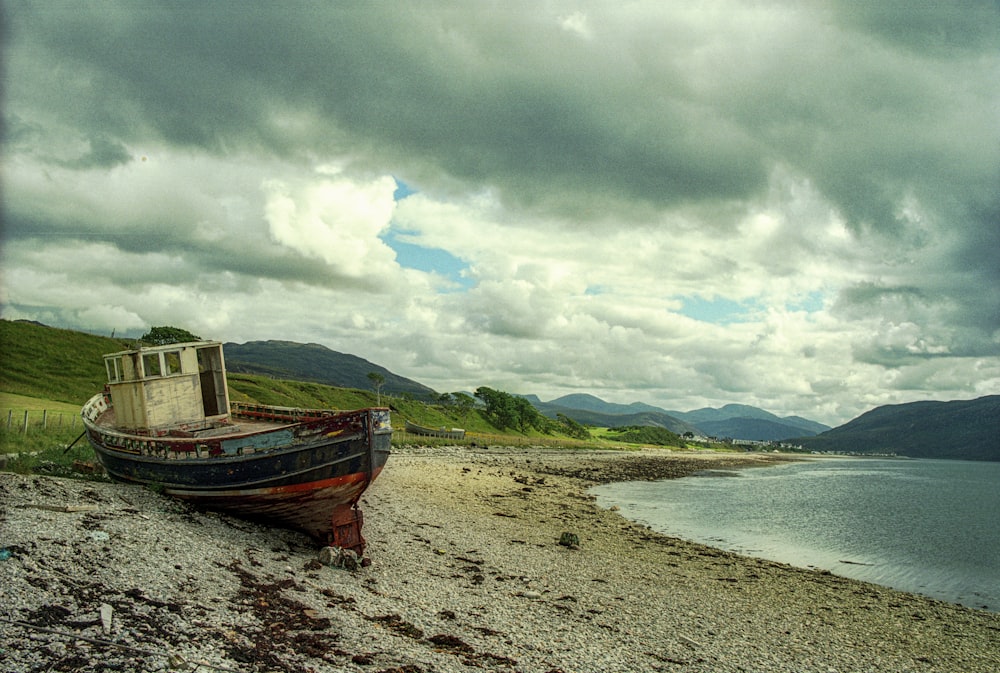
(62, 366)
(958, 429)
(281, 392)
(316, 363)
(53, 364)
(47, 374)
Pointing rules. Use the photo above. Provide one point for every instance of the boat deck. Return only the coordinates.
(239, 426)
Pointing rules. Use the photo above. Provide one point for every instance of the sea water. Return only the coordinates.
(924, 526)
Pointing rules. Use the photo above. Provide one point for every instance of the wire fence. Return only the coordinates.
(482, 439)
(31, 420)
(26, 420)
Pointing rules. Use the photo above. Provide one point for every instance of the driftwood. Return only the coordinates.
(67, 508)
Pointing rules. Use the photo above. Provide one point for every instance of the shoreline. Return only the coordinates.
(706, 531)
(467, 574)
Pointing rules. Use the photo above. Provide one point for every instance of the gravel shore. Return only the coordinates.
(467, 574)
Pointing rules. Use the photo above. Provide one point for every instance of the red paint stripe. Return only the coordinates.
(345, 480)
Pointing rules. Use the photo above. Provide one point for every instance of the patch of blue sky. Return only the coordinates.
(430, 260)
(718, 311)
(402, 190)
(810, 303)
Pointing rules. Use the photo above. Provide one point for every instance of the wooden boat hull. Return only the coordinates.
(453, 433)
(303, 472)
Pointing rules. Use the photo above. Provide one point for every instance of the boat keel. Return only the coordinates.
(346, 529)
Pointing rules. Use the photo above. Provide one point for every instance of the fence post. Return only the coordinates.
(25, 428)
(45, 418)
(10, 417)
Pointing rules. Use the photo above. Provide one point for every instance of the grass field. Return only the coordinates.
(47, 374)
(17, 410)
(49, 427)
(24, 403)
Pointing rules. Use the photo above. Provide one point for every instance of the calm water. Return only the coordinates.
(924, 526)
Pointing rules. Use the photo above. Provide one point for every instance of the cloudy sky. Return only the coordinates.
(794, 205)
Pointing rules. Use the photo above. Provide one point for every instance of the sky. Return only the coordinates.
(793, 205)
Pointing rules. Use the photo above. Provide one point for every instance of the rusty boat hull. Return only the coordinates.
(295, 468)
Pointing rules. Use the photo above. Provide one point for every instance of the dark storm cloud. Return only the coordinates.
(491, 97)
(234, 255)
(502, 97)
(103, 153)
(945, 28)
(630, 115)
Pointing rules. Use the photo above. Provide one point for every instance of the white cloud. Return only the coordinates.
(577, 23)
(336, 220)
(599, 169)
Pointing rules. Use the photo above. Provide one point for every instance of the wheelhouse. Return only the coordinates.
(159, 387)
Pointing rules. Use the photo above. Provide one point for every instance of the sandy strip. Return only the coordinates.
(467, 574)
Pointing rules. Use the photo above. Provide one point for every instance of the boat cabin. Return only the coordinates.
(160, 387)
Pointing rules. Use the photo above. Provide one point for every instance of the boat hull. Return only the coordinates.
(453, 433)
(300, 475)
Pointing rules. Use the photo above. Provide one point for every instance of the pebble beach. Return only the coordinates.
(481, 559)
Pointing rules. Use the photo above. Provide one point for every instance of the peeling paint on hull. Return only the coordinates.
(307, 507)
(293, 474)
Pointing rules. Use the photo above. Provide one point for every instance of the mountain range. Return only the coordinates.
(316, 363)
(737, 421)
(34, 356)
(589, 410)
(966, 429)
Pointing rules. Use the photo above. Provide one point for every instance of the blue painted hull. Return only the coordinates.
(303, 472)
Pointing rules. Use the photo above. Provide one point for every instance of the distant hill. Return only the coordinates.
(645, 418)
(812, 427)
(56, 364)
(590, 410)
(64, 365)
(737, 421)
(741, 421)
(588, 402)
(726, 412)
(317, 363)
(963, 429)
(757, 429)
(68, 366)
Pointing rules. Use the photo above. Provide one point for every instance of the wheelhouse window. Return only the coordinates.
(114, 367)
(151, 365)
(172, 362)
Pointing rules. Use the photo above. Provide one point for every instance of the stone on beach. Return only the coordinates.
(452, 586)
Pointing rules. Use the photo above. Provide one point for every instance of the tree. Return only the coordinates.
(162, 336)
(504, 411)
(499, 407)
(572, 428)
(526, 415)
(464, 402)
(648, 434)
(377, 382)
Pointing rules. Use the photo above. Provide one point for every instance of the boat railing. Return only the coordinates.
(95, 406)
(205, 440)
(271, 413)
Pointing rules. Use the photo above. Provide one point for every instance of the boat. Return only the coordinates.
(447, 433)
(165, 420)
